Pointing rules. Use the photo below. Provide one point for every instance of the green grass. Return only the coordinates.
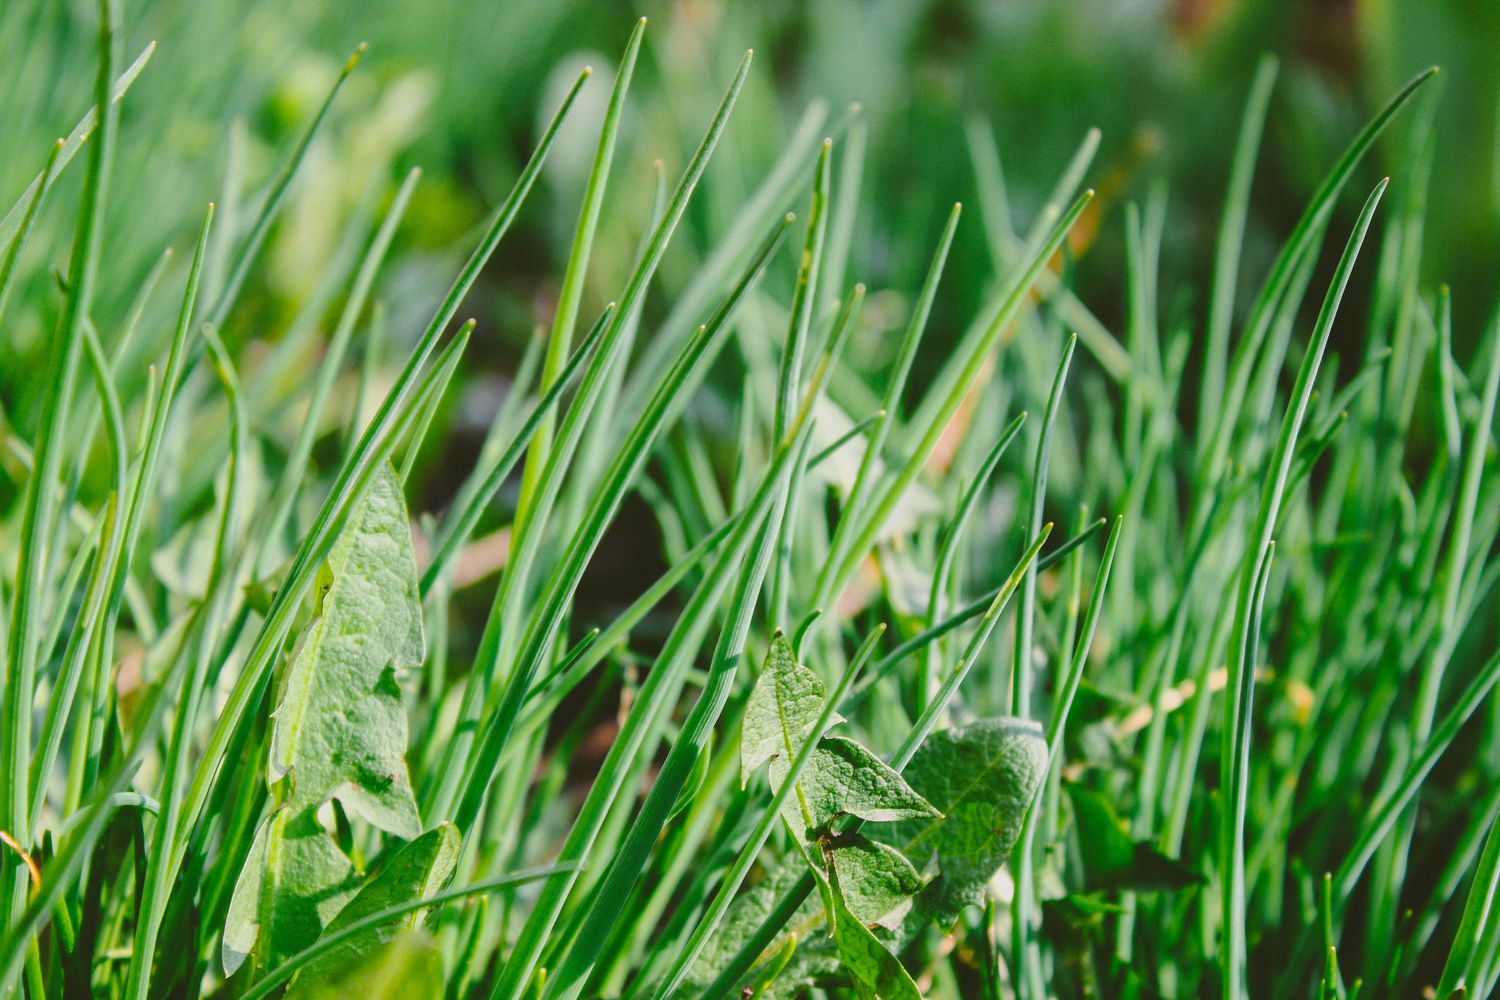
(800, 622)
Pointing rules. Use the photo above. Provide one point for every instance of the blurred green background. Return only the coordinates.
(459, 87)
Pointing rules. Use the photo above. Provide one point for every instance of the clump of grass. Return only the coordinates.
(878, 728)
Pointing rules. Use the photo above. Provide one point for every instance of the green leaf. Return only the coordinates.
(421, 868)
(340, 732)
(341, 728)
(409, 965)
(749, 910)
(876, 881)
(878, 972)
(786, 701)
(293, 882)
(843, 778)
(1112, 859)
(983, 777)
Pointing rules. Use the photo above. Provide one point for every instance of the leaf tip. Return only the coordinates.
(353, 60)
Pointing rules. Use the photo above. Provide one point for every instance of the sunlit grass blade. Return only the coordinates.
(11, 224)
(1309, 227)
(39, 510)
(244, 257)
(570, 293)
(1231, 239)
(1235, 762)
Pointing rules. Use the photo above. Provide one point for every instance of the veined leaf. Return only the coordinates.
(875, 880)
(340, 730)
(843, 778)
(983, 777)
(783, 706)
(749, 910)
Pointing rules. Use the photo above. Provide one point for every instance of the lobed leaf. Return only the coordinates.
(340, 730)
(293, 882)
(339, 733)
(877, 972)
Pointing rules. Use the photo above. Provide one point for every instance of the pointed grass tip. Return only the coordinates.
(353, 61)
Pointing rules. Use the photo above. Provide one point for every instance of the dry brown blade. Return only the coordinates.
(26, 859)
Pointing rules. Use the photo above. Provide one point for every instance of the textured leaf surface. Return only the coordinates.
(293, 882)
(982, 777)
(843, 778)
(876, 881)
(341, 727)
(421, 868)
(878, 972)
(783, 707)
(339, 732)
